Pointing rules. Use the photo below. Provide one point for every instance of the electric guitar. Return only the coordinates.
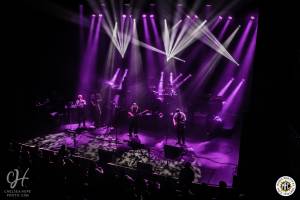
(179, 122)
(131, 115)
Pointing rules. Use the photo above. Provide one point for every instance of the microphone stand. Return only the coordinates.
(113, 122)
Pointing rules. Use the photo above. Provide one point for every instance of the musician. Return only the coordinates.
(133, 119)
(81, 106)
(179, 119)
(96, 108)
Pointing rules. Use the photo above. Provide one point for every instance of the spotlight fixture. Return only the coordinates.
(124, 16)
(252, 18)
(188, 16)
(151, 16)
(229, 17)
(100, 15)
(93, 15)
(144, 15)
(220, 18)
(196, 16)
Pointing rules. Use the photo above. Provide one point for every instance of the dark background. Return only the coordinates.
(270, 136)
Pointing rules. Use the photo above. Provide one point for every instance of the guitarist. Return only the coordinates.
(133, 115)
(179, 119)
(81, 106)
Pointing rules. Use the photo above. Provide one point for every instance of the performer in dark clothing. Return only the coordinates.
(96, 108)
(81, 106)
(179, 119)
(133, 119)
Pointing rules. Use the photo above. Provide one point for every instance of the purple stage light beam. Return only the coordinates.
(196, 51)
(114, 78)
(135, 63)
(248, 60)
(209, 66)
(238, 51)
(225, 88)
(91, 30)
(183, 81)
(246, 65)
(87, 62)
(97, 34)
(216, 23)
(229, 68)
(123, 78)
(225, 27)
(229, 101)
(149, 54)
(81, 32)
(177, 78)
(161, 86)
(171, 79)
(156, 34)
(146, 30)
(158, 43)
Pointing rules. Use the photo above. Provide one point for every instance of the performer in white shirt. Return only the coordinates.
(81, 109)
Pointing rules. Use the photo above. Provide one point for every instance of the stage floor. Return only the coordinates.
(217, 157)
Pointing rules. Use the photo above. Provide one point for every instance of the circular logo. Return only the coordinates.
(285, 186)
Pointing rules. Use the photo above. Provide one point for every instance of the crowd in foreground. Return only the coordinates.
(57, 175)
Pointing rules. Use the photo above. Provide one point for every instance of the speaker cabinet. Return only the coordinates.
(172, 152)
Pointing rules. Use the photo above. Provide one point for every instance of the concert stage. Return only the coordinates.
(214, 158)
(173, 71)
